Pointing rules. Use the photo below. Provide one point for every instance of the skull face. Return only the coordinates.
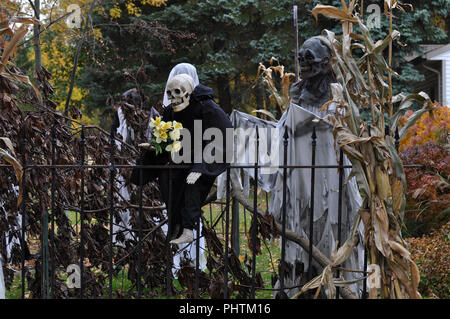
(179, 90)
(314, 58)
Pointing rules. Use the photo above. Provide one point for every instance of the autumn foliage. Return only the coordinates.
(433, 127)
(432, 256)
(428, 193)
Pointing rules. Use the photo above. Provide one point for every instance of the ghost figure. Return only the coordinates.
(193, 106)
(307, 98)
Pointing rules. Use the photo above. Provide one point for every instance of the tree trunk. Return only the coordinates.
(223, 87)
(37, 39)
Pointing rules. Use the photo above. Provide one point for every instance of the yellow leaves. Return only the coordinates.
(133, 7)
(438, 21)
(427, 128)
(97, 34)
(154, 3)
(133, 10)
(115, 12)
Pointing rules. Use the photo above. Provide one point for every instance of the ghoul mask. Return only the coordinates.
(314, 58)
(315, 72)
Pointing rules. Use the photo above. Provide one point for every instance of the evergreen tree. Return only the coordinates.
(226, 39)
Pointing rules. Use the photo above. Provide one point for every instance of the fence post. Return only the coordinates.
(111, 206)
(23, 207)
(197, 258)
(53, 191)
(235, 240)
(311, 215)
(282, 294)
(341, 182)
(83, 147)
(254, 226)
(364, 292)
(227, 228)
(169, 233)
(44, 254)
(139, 268)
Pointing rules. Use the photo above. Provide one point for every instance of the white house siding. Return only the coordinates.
(446, 81)
(443, 54)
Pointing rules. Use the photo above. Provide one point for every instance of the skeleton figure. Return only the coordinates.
(189, 186)
(180, 68)
(313, 90)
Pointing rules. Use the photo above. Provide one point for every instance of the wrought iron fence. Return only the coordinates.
(47, 239)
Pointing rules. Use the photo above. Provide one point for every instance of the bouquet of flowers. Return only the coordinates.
(165, 135)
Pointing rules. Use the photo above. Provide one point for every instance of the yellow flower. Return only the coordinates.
(174, 147)
(155, 122)
(161, 136)
(165, 126)
(177, 125)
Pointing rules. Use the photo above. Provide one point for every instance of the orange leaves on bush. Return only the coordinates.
(426, 143)
(428, 188)
(427, 128)
(432, 256)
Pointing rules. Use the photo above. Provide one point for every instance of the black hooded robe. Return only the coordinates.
(186, 199)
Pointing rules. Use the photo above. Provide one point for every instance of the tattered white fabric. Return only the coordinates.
(298, 122)
(12, 239)
(188, 251)
(2, 281)
(123, 224)
(181, 68)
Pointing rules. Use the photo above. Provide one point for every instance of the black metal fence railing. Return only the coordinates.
(47, 240)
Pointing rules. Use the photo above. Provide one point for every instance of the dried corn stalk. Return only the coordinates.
(282, 99)
(7, 72)
(376, 164)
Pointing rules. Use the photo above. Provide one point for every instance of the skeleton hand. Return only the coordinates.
(193, 177)
(147, 146)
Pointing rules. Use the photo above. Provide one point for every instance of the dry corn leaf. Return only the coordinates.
(332, 12)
